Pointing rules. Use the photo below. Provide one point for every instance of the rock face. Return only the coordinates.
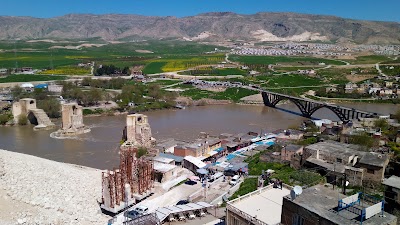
(208, 26)
(40, 191)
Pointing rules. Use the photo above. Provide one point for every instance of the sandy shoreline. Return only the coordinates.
(34, 190)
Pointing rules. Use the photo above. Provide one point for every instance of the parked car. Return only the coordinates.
(234, 180)
(131, 214)
(182, 202)
(142, 209)
(190, 182)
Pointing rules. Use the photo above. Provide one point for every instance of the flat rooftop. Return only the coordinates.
(324, 201)
(264, 204)
(162, 167)
(392, 181)
(336, 148)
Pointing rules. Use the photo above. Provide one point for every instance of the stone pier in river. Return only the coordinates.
(27, 107)
(72, 120)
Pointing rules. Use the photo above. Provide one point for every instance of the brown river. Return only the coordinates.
(99, 148)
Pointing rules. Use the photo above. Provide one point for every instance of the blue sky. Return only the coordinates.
(384, 10)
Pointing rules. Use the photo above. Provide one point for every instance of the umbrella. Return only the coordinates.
(202, 171)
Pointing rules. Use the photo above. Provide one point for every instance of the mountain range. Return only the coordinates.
(217, 26)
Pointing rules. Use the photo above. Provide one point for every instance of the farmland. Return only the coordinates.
(26, 78)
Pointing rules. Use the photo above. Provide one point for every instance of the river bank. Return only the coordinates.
(40, 191)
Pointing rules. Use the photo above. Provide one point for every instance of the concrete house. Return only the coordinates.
(392, 193)
(318, 205)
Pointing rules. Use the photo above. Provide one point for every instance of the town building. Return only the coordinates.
(166, 146)
(54, 88)
(176, 159)
(260, 207)
(288, 151)
(3, 71)
(192, 163)
(322, 205)
(340, 159)
(392, 193)
(350, 87)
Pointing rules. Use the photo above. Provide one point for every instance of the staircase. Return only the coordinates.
(43, 120)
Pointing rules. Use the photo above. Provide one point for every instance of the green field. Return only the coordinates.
(29, 78)
(369, 59)
(215, 72)
(67, 70)
(295, 61)
(291, 80)
(154, 67)
(41, 55)
(233, 94)
(390, 70)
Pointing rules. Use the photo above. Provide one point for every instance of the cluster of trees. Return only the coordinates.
(89, 97)
(111, 70)
(145, 97)
(44, 100)
(258, 67)
(114, 83)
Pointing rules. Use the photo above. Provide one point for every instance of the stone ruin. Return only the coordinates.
(137, 134)
(27, 107)
(134, 178)
(128, 184)
(72, 120)
(138, 131)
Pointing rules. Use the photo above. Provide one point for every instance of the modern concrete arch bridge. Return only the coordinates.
(308, 107)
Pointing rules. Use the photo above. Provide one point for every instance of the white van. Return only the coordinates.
(234, 180)
(141, 209)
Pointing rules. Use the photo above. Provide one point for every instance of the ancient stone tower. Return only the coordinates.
(72, 116)
(72, 120)
(138, 131)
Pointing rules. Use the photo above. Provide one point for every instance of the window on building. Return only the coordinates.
(370, 171)
(338, 160)
(298, 220)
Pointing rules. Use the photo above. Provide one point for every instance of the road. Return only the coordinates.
(379, 69)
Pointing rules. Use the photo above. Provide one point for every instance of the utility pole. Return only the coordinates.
(334, 182)
(15, 56)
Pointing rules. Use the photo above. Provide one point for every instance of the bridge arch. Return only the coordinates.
(297, 103)
(335, 110)
(32, 118)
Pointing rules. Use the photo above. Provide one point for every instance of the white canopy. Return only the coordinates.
(27, 85)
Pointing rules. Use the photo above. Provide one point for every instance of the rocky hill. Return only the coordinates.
(208, 26)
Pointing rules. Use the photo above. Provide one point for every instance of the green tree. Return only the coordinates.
(22, 120)
(17, 92)
(363, 140)
(142, 151)
(396, 115)
(51, 106)
(4, 118)
(382, 124)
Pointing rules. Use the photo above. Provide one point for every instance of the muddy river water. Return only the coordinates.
(99, 148)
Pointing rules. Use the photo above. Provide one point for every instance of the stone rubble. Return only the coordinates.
(50, 192)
